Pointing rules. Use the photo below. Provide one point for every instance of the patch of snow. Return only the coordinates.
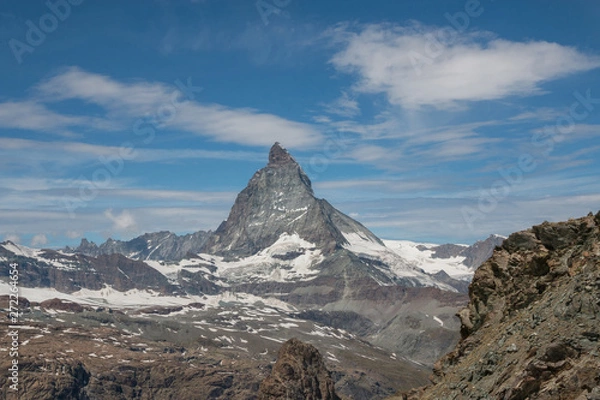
(273, 339)
(398, 266)
(268, 265)
(288, 325)
(21, 250)
(423, 259)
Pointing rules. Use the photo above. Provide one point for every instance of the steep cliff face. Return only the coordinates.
(531, 329)
(298, 374)
(279, 200)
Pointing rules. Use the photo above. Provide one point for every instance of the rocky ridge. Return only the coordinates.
(531, 328)
(69, 273)
(165, 246)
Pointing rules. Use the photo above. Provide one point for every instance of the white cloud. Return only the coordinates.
(244, 126)
(31, 115)
(419, 66)
(72, 153)
(176, 195)
(375, 188)
(39, 240)
(122, 223)
(165, 107)
(12, 237)
(344, 106)
(73, 234)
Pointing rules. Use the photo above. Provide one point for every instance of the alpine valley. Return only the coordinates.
(203, 316)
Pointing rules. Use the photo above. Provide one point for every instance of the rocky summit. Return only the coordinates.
(531, 329)
(279, 200)
(298, 374)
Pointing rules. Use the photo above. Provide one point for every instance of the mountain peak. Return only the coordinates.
(279, 156)
(279, 200)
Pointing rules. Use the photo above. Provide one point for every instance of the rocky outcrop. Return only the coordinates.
(61, 305)
(68, 364)
(298, 374)
(531, 328)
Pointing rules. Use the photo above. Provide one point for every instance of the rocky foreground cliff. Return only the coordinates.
(532, 326)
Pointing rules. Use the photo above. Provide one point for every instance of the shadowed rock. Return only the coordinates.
(299, 374)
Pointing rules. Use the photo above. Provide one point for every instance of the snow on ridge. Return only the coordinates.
(399, 265)
(24, 251)
(365, 247)
(269, 264)
(135, 298)
(20, 250)
(424, 260)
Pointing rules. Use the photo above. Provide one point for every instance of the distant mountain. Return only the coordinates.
(458, 261)
(165, 246)
(277, 201)
(478, 253)
(70, 273)
(279, 245)
(278, 231)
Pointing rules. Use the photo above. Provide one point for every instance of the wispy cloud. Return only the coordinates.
(476, 66)
(35, 153)
(123, 222)
(31, 115)
(124, 103)
(344, 106)
(39, 240)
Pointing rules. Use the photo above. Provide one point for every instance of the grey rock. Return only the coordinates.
(164, 245)
(279, 199)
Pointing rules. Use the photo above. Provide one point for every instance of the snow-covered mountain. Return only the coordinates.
(280, 245)
(277, 201)
(459, 261)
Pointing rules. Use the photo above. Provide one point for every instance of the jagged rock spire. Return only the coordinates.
(279, 156)
(279, 199)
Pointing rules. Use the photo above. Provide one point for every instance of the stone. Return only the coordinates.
(298, 374)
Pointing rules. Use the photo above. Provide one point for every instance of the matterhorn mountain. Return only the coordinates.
(278, 231)
(279, 200)
(284, 264)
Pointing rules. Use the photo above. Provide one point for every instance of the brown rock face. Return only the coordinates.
(62, 305)
(531, 329)
(299, 374)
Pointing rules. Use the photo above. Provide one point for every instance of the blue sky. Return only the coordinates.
(441, 121)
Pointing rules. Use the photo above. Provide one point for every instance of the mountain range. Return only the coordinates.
(284, 261)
